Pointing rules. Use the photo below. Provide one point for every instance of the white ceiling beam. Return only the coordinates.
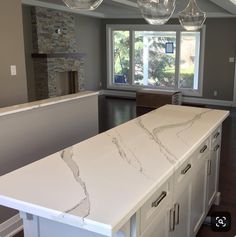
(121, 14)
(62, 8)
(127, 3)
(226, 4)
(212, 15)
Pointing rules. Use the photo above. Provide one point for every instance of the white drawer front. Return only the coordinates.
(159, 200)
(183, 172)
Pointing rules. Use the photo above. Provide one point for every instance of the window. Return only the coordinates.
(165, 57)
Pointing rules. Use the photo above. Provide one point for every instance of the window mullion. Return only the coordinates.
(197, 62)
(111, 56)
(177, 60)
(131, 61)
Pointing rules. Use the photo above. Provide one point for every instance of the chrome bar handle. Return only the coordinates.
(203, 149)
(172, 219)
(216, 147)
(186, 169)
(216, 135)
(209, 168)
(159, 199)
(177, 207)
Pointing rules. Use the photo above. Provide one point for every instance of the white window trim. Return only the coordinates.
(177, 29)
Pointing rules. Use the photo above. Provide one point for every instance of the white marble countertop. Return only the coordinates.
(100, 183)
(46, 102)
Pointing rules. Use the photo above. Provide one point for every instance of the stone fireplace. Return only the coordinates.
(58, 65)
(66, 83)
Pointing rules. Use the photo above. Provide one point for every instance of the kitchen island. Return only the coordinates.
(156, 175)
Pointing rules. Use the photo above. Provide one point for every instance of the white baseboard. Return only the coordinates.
(12, 226)
(194, 100)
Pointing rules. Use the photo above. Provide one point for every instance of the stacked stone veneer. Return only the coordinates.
(46, 70)
(54, 34)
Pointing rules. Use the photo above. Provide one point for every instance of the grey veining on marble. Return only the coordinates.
(163, 149)
(81, 209)
(122, 149)
(190, 123)
(155, 134)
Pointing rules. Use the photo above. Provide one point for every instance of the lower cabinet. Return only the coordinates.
(159, 226)
(182, 198)
(179, 207)
(198, 194)
(213, 168)
(156, 216)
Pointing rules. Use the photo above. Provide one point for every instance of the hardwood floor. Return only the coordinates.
(113, 111)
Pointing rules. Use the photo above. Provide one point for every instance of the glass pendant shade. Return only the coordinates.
(192, 18)
(156, 12)
(82, 4)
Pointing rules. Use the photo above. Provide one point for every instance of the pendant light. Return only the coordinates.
(156, 12)
(82, 4)
(192, 18)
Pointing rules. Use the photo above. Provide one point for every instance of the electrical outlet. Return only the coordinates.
(215, 93)
(231, 60)
(13, 70)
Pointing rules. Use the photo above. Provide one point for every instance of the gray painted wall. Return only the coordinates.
(88, 33)
(30, 135)
(13, 89)
(220, 44)
(27, 30)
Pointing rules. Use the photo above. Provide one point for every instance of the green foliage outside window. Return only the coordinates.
(161, 66)
(121, 53)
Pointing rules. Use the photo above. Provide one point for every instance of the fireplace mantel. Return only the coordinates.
(59, 55)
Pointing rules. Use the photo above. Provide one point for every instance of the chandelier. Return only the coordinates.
(192, 18)
(155, 12)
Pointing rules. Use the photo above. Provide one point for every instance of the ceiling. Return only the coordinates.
(129, 9)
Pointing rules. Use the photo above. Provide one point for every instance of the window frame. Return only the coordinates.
(176, 28)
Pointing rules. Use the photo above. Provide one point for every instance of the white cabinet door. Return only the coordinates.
(160, 225)
(182, 200)
(213, 168)
(213, 174)
(198, 193)
(155, 214)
